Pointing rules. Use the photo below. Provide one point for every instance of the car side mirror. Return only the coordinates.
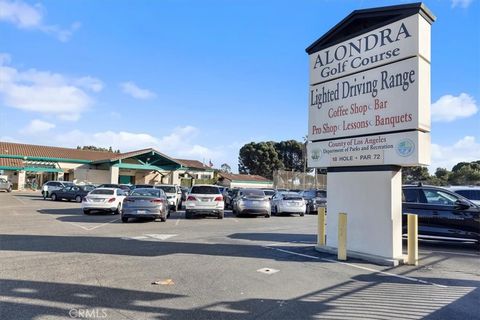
(462, 204)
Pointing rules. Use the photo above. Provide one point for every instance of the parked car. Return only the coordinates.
(231, 194)
(104, 199)
(472, 193)
(145, 203)
(251, 202)
(76, 193)
(442, 214)
(288, 203)
(174, 195)
(127, 188)
(314, 199)
(50, 186)
(184, 193)
(205, 200)
(269, 193)
(5, 185)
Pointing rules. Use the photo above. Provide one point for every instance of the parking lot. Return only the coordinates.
(57, 263)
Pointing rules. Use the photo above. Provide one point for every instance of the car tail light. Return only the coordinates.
(220, 198)
(157, 201)
(111, 200)
(191, 198)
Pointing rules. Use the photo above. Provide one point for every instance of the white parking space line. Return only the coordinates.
(177, 222)
(103, 224)
(358, 267)
(235, 219)
(91, 228)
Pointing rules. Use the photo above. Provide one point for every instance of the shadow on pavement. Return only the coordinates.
(276, 237)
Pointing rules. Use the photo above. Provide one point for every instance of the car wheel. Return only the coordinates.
(267, 216)
(221, 215)
(124, 219)
(163, 219)
(9, 189)
(302, 214)
(86, 211)
(118, 210)
(54, 197)
(78, 199)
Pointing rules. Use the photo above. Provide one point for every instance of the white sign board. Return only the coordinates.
(396, 41)
(379, 100)
(406, 148)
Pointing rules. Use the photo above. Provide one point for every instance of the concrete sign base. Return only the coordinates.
(372, 200)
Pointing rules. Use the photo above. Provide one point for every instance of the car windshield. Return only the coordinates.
(253, 192)
(146, 193)
(205, 190)
(102, 191)
(68, 184)
(269, 192)
(87, 188)
(167, 189)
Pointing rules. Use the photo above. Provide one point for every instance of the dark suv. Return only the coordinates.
(442, 214)
(314, 199)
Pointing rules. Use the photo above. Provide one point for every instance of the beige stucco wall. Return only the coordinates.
(87, 175)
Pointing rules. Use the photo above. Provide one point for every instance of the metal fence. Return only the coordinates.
(298, 180)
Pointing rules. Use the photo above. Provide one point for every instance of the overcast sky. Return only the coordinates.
(198, 79)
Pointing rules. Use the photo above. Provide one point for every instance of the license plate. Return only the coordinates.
(141, 211)
(97, 200)
(204, 199)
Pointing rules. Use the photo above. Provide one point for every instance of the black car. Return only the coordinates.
(314, 198)
(76, 193)
(442, 214)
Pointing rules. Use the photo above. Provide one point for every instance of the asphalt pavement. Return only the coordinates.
(57, 263)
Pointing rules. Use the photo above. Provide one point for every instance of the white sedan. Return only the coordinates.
(104, 199)
(288, 203)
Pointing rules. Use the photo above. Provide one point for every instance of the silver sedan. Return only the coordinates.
(145, 203)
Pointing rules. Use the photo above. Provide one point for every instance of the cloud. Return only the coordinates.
(449, 108)
(46, 92)
(133, 90)
(461, 3)
(37, 126)
(28, 17)
(466, 149)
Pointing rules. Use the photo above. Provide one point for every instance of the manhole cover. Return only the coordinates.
(268, 270)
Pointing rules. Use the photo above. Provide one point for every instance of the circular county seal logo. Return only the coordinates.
(316, 154)
(405, 147)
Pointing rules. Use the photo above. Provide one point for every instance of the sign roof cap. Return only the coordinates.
(365, 20)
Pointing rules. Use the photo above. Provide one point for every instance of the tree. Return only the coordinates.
(290, 152)
(259, 158)
(414, 174)
(94, 148)
(225, 168)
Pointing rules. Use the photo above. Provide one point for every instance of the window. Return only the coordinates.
(205, 190)
(102, 191)
(147, 193)
(411, 195)
(167, 189)
(439, 197)
(321, 194)
(469, 194)
(253, 192)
